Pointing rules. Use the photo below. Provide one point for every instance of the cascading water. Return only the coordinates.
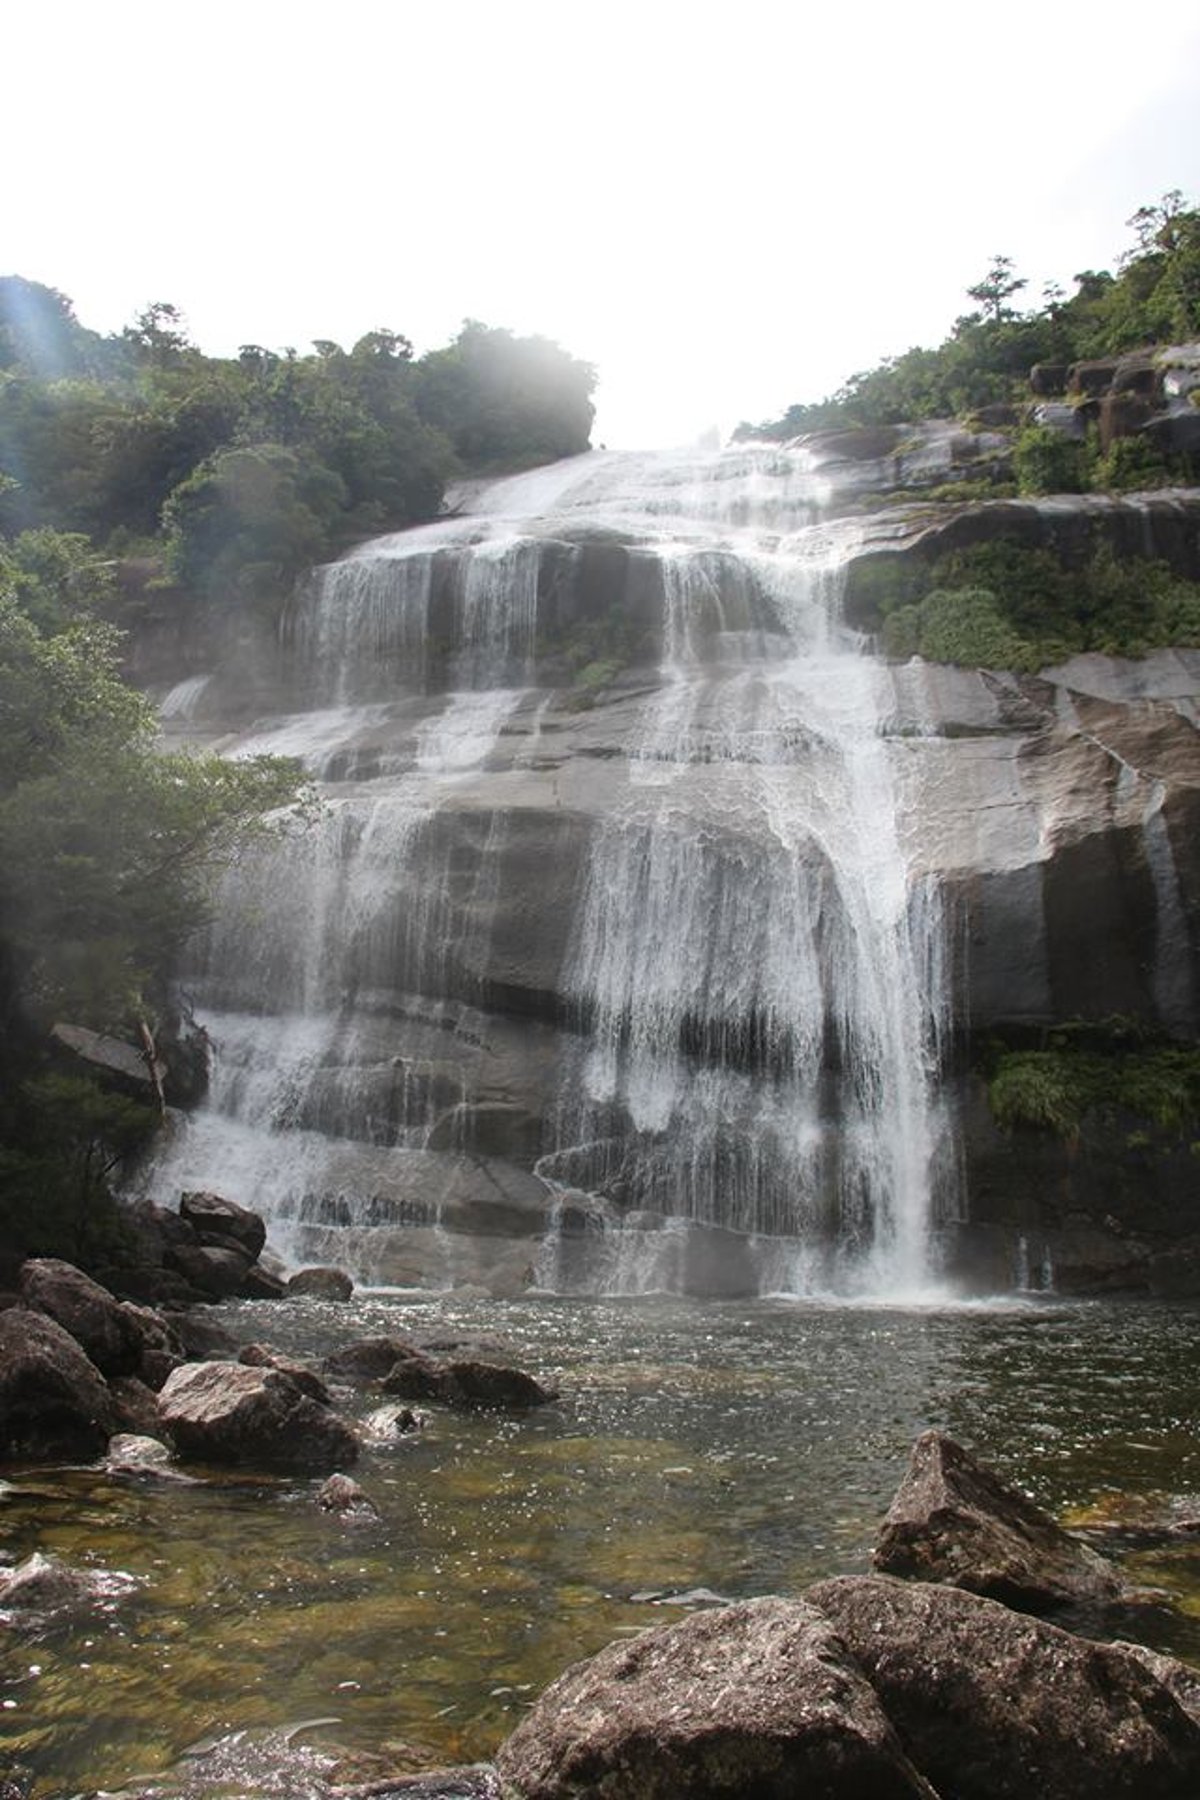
(662, 972)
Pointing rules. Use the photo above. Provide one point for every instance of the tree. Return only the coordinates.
(996, 288)
(248, 519)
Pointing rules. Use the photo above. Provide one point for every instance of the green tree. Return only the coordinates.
(995, 289)
(247, 520)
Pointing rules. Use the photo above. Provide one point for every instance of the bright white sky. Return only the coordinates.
(725, 208)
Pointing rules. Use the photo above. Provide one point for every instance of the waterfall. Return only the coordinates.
(612, 910)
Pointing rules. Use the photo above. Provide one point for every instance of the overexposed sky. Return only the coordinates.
(725, 208)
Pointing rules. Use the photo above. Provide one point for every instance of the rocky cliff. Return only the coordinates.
(652, 923)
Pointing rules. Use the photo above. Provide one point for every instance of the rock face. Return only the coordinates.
(953, 1521)
(231, 1413)
(992, 1705)
(756, 1699)
(53, 1399)
(505, 819)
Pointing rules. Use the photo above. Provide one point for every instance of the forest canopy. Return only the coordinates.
(240, 471)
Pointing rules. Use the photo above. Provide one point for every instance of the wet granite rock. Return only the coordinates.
(321, 1284)
(466, 1383)
(53, 1398)
(161, 1350)
(756, 1699)
(216, 1273)
(953, 1521)
(94, 1317)
(231, 1413)
(211, 1216)
(259, 1356)
(202, 1339)
(367, 1360)
(262, 1284)
(996, 1705)
(136, 1404)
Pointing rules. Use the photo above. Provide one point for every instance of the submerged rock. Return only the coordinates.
(995, 1705)
(43, 1584)
(53, 1398)
(342, 1495)
(755, 1699)
(953, 1521)
(232, 1413)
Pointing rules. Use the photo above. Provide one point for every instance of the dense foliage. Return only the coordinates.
(1002, 605)
(1153, 299)
(241, 471)
(1110, 1071)
(106, 849)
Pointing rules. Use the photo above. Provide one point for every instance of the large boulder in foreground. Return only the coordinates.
(953, 1521)
(996, 1705)
(53, 1399)
(94, 1317)
(755, 1699)
(232, 1413)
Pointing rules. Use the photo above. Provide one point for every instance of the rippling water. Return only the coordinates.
(743, 1447)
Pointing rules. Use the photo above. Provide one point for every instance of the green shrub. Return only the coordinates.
(1045, 461)
(1131, 463)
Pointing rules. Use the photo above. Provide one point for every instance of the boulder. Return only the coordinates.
(261, 1284)
(488, 1385)
(995, 1705)
(94, 1317)
(143, 1458)
(755, 1699)
(201, 1338)
(415, 1376)
(160, 1347)
(136, 1404)
(321, 1284)
(258, 1356)
(953, 1521)
(465, 1383)
(209, 1215)
(214, 1272)
(231, 1413)
(1048, 378)
(368, 1360)
(53, 1398)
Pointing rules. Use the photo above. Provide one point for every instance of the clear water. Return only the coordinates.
(744, 1447)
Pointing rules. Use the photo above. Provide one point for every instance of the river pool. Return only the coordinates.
(746, 1448)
